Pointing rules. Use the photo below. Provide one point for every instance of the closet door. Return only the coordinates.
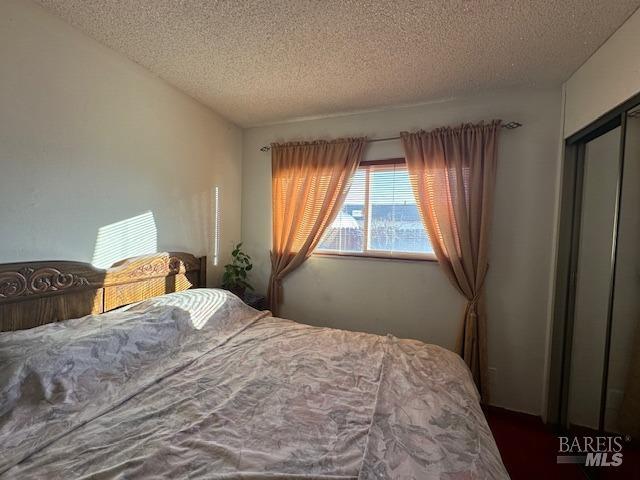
(622, 412)
(593, 281)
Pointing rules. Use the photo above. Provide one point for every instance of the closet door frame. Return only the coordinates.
(567, 262)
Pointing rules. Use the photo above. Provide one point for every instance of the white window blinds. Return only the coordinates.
(379, 216)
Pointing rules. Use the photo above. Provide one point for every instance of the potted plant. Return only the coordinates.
(234, 278)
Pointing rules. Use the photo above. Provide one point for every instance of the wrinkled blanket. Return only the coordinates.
(199, 385)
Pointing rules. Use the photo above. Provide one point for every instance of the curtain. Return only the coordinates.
(452, 172)
(309, 185)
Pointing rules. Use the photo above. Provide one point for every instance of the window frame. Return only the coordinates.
(372, 253)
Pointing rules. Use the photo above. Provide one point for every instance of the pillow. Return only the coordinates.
(61, 375)
(207, 307)
(69, 362)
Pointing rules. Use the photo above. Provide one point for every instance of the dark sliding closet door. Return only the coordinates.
(622, 407)
(599, 198)
(601, 375)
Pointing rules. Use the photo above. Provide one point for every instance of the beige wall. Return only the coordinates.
(609, 77)
(89, 139)
(414, 299)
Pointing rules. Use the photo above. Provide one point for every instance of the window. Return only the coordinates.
(379, 217)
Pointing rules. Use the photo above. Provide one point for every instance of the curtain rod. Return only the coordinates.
(508, 126)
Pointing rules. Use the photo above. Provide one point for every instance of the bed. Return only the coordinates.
(165, 379)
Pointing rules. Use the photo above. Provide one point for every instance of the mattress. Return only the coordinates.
(198, 385)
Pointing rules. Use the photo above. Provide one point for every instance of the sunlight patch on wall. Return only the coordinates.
(216, 225)
(127, 238)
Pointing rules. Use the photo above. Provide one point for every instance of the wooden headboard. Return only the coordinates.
(35, 293)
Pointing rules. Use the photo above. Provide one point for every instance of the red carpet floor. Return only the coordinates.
(529, 450)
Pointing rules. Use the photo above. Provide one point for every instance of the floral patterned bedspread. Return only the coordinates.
(198, 385)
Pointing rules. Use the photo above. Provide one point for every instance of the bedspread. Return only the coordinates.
(198, 385)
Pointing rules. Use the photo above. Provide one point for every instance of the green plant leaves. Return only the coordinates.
(235, 273)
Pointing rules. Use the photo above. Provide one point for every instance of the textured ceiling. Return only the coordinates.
(257, 61)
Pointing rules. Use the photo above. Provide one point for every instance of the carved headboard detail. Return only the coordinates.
(31, 281)
(35, 293)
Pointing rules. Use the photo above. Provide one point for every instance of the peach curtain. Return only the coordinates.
(452, 172)
(309, 184)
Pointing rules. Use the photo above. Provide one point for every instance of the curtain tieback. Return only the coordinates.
(472, 304)
(473, 301)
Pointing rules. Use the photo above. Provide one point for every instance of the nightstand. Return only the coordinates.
(257, 301)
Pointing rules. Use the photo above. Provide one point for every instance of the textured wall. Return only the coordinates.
(90, 142)
(415, 299)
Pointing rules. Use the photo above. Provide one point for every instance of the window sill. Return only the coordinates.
(374, 256)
